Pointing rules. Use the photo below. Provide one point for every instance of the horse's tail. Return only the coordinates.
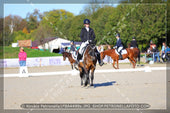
(139, 56)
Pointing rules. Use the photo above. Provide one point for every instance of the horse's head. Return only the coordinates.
(64, 56)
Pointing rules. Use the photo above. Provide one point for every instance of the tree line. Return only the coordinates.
(144, 21)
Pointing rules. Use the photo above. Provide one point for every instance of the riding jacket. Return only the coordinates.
(72, 48)
(119, 43)
(134, 44)
(87, 35)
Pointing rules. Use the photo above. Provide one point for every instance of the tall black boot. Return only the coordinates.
(99, 59)
(78, 58)
(120, 55)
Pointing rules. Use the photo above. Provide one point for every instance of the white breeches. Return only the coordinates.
(120, 48)
(84, 44)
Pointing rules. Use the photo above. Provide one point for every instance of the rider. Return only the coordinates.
(73, 47)
(119, 46)
(87, 35)
(133, 43)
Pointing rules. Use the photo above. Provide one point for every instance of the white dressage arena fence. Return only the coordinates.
(44, 61)
(75, 72)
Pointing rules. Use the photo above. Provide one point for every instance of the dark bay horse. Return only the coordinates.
(115, 57)
(88, 66)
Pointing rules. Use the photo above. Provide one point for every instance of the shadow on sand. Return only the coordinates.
(104, 84)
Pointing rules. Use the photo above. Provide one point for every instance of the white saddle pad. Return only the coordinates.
(123, 51)
(74, 56)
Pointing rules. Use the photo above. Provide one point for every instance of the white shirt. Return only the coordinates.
(87, 28)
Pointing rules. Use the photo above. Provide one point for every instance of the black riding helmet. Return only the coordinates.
(117, 35)
(72, 41)
(133, 38)
(86, 21)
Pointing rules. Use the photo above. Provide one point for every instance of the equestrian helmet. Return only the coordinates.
(86, 21)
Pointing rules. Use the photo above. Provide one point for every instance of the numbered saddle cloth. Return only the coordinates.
(123, 51)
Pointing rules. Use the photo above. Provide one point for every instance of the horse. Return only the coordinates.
(83, 67)
(136, 52)
(70, 58)
(88, 65)
(115, 57)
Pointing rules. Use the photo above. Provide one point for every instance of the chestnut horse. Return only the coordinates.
(136, 52)
(115, 57)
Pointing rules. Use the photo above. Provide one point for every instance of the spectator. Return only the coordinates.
(156, 53)
(163, 51)
(152, 45)
(22, 57)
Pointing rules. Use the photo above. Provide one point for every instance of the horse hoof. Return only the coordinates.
(82, 86)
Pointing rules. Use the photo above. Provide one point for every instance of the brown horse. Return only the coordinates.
(70, 58)
(115, 57)
(136, 52)
(84, 67)
(89, 65)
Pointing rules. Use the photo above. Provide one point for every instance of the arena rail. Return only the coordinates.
(145, 69)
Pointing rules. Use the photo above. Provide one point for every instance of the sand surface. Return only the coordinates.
(117, 87)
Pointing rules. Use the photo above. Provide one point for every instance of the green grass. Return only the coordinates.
(12, 52)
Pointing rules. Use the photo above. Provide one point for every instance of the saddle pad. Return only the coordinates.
(123, 51)
(74, 55)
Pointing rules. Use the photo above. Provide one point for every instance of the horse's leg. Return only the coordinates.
(92, 76)
(131, 62)
(72, 66)
(81, 75)
(114, 64)
(117, 61)
(139, 57)
(134, 62)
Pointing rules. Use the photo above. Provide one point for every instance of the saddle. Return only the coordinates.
(123, 51)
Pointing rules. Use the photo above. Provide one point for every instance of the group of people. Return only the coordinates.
(153, 50)
(87, 36)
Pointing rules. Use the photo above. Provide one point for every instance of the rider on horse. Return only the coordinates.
(119, 46)
(73, 47)
(87, 36)
(133, 43)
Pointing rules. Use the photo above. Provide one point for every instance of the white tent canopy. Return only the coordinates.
(53, 44)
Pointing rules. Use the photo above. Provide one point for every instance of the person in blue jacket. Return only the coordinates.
(119, 46)
(72, 47)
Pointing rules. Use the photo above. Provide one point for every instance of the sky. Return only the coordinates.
(23, 9)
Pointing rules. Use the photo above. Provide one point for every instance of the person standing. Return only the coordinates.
(22, 57)
(22, 62)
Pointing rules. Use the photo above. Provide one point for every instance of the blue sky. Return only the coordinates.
(23, 9)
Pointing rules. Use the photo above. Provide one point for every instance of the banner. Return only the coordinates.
(45, 61)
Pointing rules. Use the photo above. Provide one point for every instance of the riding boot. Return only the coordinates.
(78, 58)
(120, 55)
(99, 59)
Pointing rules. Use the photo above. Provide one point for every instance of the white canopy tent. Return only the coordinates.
(53, 44)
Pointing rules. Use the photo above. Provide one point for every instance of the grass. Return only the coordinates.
(12, 52)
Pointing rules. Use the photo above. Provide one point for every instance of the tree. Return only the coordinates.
(25, 30)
